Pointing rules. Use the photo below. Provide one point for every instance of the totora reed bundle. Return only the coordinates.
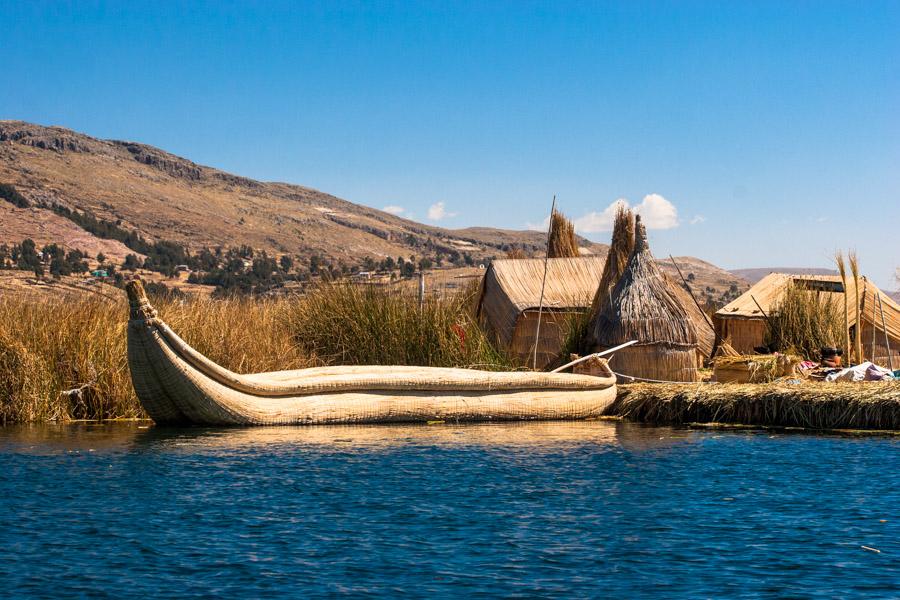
(857, 338)
(562, 242)
(842, 269)
(620, 249)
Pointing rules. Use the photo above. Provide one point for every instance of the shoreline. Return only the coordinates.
(849, 408)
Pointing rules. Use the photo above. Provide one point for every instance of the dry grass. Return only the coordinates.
(814, 405)
(356, 325)
(804, 322)
(51, 347)
(562, 242)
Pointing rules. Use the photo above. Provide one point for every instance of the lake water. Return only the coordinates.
(592, 509)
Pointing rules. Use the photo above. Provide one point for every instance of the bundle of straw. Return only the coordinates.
(562, 242)
(842, 269)
(857, 342)
(620, 249)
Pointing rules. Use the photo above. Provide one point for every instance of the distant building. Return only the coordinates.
(743, 321)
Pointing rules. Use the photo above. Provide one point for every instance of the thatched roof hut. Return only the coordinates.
(510, 296)
(645, 306)
(743, 321)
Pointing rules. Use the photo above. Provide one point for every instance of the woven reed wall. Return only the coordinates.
(660, 362)
(553, 334)
(744, 334)
(496, 311)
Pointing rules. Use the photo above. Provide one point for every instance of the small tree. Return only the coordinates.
(9, 193)
(132, 263)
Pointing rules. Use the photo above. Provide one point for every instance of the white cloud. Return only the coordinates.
(542, 226)
(394, 209)
(698, 219)
(599, 221)
(438, 211)
(656, 212)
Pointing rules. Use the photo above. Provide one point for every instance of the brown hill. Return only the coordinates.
(163, 196)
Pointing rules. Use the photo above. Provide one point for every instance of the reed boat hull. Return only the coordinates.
(178, 385)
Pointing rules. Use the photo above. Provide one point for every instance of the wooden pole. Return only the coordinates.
(694, 298)
(537, 330)
(761, 310)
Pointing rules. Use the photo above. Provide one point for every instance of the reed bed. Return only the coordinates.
(63, 360)
(812, 405)
(358, 325)
(804, 322)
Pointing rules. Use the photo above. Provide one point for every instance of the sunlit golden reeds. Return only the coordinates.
(64, 359)
(562, 242)
(857, 337)
(814, 405)
(804, 322)
(361, 324)
(842, 269)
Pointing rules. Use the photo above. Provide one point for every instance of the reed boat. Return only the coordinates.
(176, 384)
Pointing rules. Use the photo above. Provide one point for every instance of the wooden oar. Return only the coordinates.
(595, 354)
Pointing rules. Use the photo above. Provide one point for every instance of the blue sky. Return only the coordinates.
(750, 133)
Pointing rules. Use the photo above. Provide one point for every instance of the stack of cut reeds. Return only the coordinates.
(756, 368)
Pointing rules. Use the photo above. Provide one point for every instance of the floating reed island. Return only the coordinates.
(811, 405)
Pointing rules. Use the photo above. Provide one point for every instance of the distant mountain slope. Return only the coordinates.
(752, 276)
(163, 196)
(140, 189)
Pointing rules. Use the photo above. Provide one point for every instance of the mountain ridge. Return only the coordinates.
(159, 194)
(133, 191)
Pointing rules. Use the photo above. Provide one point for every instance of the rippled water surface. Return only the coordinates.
(598, 509)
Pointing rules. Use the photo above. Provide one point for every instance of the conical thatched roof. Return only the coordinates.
(642, 306)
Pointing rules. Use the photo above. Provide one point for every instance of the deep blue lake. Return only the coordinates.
(591, 509)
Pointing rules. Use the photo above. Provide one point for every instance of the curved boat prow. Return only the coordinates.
(178, 385)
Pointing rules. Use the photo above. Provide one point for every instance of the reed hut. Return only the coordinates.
(645, 306)
(743, 321)
(511, 295)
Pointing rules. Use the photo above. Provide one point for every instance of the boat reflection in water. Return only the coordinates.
(141, 436)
